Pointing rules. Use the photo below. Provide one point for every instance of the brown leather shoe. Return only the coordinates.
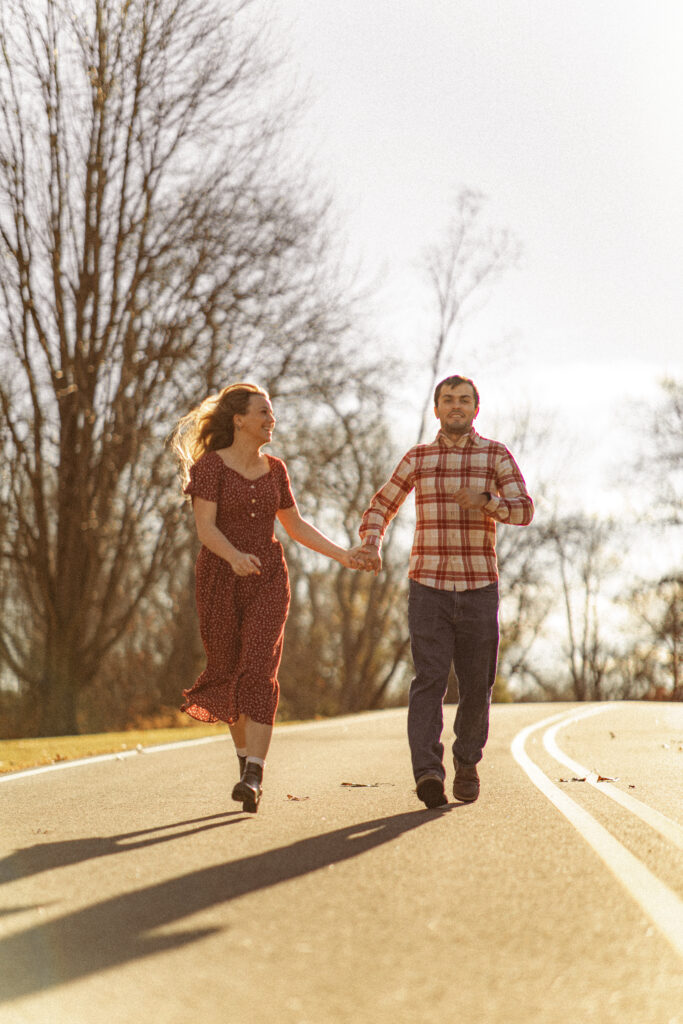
(430, 791)
(466, 783)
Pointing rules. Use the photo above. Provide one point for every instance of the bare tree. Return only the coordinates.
(150, 249)
(346, 647)
(584, 562)
(658, 607)
(459, 270)
(655, 604)
(663, 462)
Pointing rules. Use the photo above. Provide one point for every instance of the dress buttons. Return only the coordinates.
(252, 514)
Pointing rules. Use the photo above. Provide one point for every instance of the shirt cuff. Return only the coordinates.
(370, 541)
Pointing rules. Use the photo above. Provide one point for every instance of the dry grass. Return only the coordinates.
(16, 755)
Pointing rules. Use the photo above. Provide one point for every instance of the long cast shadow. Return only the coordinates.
(32, 860)
(116, 931)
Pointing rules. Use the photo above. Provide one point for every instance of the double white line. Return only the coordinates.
(663, 906)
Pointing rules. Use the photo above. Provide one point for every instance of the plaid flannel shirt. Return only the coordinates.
(453, 548)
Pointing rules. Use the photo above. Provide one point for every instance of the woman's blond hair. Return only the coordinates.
(211, 425)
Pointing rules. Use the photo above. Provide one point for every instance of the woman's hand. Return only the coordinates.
(305, 533)
(367, 558)
(244, 564)
(349, 559)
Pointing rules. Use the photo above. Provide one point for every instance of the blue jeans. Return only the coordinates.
(458, 627)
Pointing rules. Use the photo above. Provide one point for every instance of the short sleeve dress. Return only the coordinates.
(241, 618)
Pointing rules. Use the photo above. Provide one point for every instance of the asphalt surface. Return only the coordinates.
(133, 889)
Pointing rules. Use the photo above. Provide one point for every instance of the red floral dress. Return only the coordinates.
(241, 618)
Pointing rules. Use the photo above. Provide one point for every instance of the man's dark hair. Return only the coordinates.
(452, 382)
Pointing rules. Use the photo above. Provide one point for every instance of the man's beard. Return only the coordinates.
(457, 429)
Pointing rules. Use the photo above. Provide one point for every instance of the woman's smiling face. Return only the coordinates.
(258, 421)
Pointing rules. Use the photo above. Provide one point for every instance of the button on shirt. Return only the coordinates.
(453, 548)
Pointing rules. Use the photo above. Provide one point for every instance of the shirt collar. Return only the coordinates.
(444, 441)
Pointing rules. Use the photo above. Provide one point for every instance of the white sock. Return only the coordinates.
(241, 751)
(256, 760)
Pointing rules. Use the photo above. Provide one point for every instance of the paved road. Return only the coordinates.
(134, 890)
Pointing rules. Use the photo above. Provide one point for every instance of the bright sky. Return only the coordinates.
(569, 118)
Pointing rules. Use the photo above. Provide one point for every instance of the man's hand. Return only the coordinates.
(468, 497)
(368, 557)
(350, 560)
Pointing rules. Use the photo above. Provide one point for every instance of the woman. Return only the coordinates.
(242, 585)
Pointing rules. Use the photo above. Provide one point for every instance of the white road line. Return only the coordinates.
(666, 827)
(118, 756)
(661, 904)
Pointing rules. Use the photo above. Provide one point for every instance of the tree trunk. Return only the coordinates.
(59, 695)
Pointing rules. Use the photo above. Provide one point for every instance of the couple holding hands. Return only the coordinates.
(464, 484)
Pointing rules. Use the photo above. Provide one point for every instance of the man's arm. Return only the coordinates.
(512, 504)
(381, 510)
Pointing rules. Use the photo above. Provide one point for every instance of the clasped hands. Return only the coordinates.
(365, 557)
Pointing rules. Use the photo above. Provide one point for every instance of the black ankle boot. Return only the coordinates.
(248, 789)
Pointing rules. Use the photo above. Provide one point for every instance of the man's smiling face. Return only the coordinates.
(456, 409)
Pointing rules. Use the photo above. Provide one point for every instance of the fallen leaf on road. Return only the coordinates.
(598, 778)
(365, 785)
(290, 797)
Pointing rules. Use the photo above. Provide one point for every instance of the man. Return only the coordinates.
(464, 484)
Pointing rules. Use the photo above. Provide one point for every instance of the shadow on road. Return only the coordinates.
(32, 860)
(116, 931)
